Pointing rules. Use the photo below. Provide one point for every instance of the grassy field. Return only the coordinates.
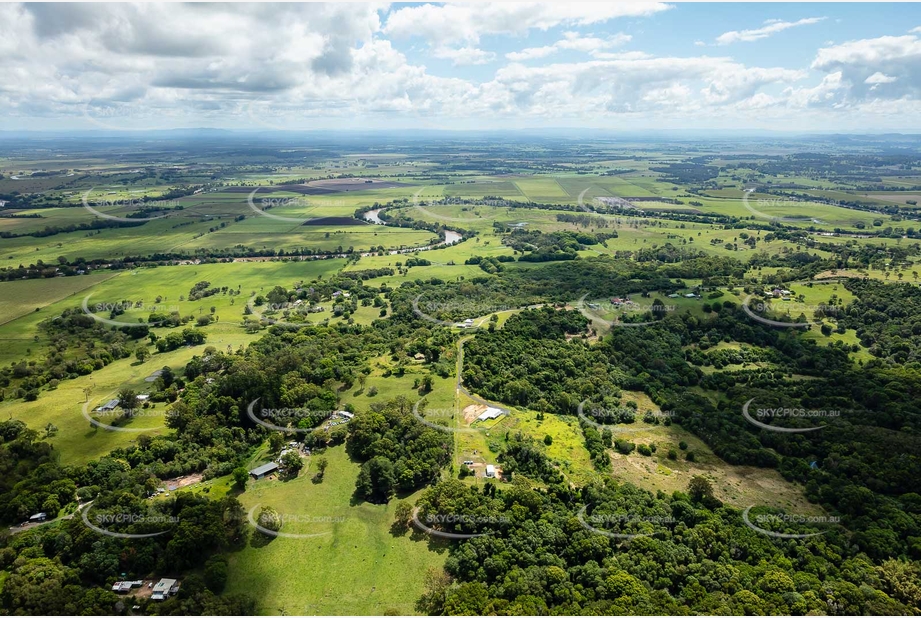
(22, 337)
(76, 440)
(359, 567)
(568, 447)
(740, 486)
(18, 298)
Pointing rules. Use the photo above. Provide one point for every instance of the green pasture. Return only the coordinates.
(358, 565)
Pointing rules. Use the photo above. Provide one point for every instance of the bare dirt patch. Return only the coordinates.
(146, 590)
(828, 274)
(182, 481)
(472, 411)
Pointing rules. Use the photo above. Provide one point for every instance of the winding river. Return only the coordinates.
(451, 237)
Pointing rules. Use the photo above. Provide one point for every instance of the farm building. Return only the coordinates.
(126, 586)
(108, 406)
(263, 470)
(490, 471)
(489, 414)
(38, 517)
(164, 588)
(343, 414)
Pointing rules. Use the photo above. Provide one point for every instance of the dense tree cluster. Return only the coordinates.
(864, 465)
(541, 553)
(398, 452)
(887, 318)
(537, 246)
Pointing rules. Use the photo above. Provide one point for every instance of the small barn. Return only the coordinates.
(108, 406)
(489, 414)
(263, 470)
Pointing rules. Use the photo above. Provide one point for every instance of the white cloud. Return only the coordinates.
(449, 23)
(826, 94)
(309, 66)
(627, 55)
(771, 26)
(632, 83)
(464, 56)
(759, 101)
(880, 78)
(532, 53)
(869, 51)
(888, 67)
(573, 41)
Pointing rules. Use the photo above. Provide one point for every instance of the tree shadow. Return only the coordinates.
(357, 499)
(399, 529)
(434, 543)
(258, 539)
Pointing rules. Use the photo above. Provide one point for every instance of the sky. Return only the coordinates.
(848, 67)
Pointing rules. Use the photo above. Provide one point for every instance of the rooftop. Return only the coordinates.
(490, 413)
(164, 585)
(264, 469)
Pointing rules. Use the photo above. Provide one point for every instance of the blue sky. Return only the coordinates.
(780, 66)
